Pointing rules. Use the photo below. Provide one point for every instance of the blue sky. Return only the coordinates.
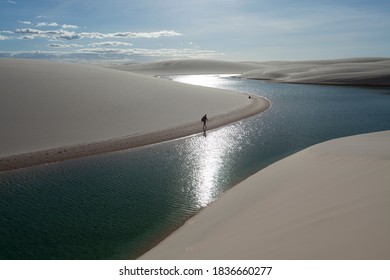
(149, 30)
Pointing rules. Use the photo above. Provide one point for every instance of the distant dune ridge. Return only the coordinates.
(375, 72)
(353, 71)
(189, 66)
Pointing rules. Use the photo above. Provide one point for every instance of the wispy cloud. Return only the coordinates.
(69, 26)
(163, 33)
(32, 33)
(57, 34)
(111, 54)
(71, 35)
(64, 46)
(130, 35)
(25, 22)
(51, 24)
(109, 44)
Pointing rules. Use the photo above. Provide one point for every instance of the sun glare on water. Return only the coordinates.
(208, 156)
(204, 80)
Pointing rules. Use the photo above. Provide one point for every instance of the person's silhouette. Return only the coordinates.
(204, 120)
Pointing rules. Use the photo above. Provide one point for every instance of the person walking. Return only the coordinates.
(204, 120)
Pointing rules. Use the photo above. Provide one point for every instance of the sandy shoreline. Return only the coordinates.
(116, 144)
(329, 201)
(56, 111)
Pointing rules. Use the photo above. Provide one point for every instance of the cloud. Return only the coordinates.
(130, 35)
(52, 24)
(25, 22)
(54, 45)
(69, 26)
(109, 44)
(28, 31)
(68, 35)
(28, 37)
(53, 34)
(71, 35)
(163, 33)
(112, 54)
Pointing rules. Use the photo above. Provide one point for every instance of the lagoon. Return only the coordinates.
(117, 205)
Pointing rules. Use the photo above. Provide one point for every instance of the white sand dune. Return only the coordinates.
(58, 111)
(189, 66)
(330, 201)
(375, 72)
(353, 71)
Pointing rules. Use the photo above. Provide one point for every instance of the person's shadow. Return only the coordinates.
(204, 133)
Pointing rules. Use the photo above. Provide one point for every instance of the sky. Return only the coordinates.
(234, 30)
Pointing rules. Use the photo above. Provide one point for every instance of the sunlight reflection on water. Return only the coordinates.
(207, 158)
(206, 80)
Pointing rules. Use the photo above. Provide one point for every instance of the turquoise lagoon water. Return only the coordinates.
(117, 205)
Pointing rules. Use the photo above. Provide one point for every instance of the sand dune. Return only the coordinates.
(344, 72)
(51, 111)
(189, 66)
(330, 201)
(353, 71)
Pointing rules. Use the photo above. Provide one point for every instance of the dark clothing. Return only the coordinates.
(204, 120)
